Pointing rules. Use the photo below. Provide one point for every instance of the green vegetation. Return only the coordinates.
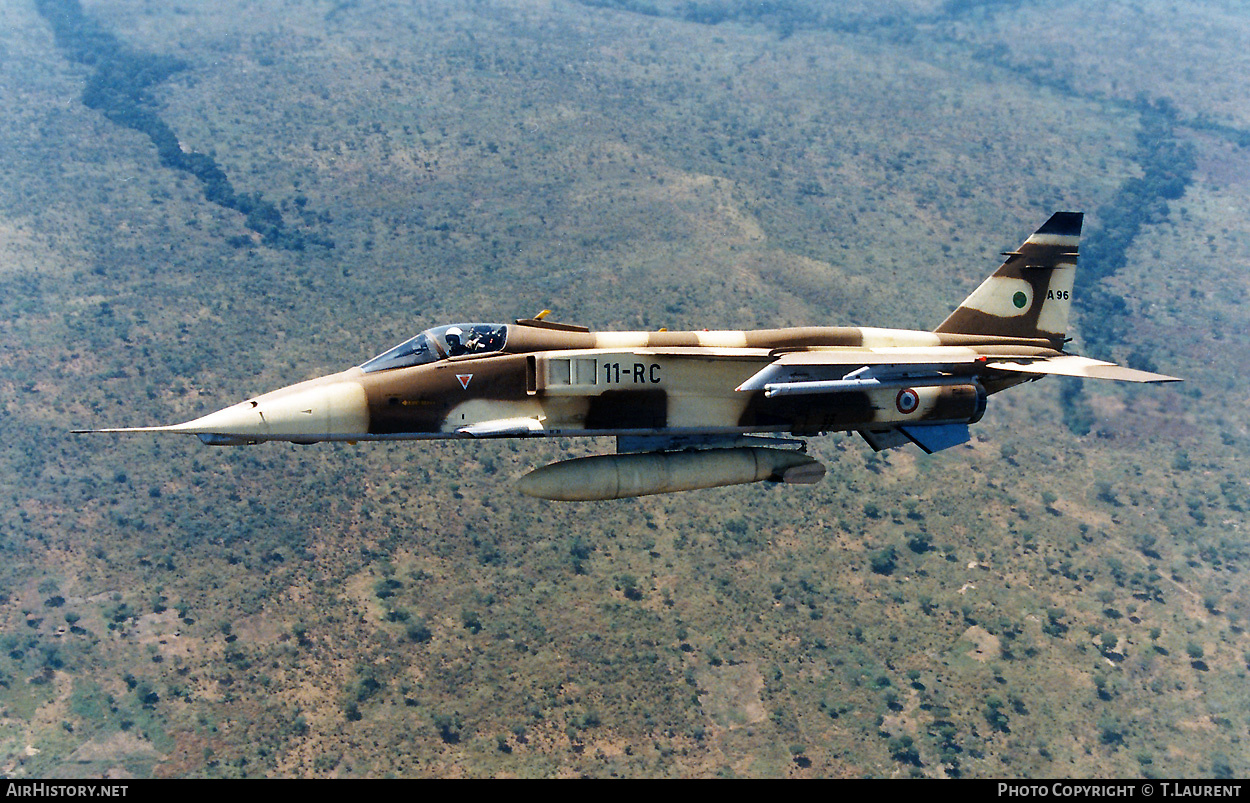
(121, 87)
(1039, 603)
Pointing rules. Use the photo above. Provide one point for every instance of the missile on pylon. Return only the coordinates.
(624, 475)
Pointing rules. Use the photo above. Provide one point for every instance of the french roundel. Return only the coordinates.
(907, 401)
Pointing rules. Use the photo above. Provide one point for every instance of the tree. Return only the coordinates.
(629, 587)
(903, 750)
(994, 715)
(449, 727)
(883, 561)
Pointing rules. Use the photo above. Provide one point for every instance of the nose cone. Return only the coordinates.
(300, 412)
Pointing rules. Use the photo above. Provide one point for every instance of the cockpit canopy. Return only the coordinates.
(440, 343)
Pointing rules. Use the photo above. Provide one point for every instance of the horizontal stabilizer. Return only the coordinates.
(1072, 365)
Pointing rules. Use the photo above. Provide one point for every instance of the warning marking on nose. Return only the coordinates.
(464, 380)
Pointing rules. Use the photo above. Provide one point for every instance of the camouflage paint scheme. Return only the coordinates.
(536, 378)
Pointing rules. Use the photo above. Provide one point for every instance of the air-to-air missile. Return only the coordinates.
(696, 409)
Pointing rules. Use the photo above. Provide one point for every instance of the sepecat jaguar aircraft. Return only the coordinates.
(696, 409)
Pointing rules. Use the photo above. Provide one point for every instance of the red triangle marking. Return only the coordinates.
(464, 380)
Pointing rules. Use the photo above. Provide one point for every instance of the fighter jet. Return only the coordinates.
(696, 409)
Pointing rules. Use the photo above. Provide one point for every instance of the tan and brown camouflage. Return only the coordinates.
(666, 390)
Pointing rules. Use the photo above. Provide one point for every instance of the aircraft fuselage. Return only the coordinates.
(681, 403)
(560, 381)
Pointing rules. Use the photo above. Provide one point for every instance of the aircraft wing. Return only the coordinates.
(829, 370)
(894, 355)
(819, 371)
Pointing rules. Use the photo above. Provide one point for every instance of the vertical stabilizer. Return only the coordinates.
(1031, 293)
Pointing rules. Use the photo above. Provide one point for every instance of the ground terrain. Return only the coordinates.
(1064, 596)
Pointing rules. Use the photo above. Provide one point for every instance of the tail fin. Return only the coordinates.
(1031, 293)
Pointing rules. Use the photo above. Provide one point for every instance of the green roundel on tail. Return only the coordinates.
(1029, 296)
